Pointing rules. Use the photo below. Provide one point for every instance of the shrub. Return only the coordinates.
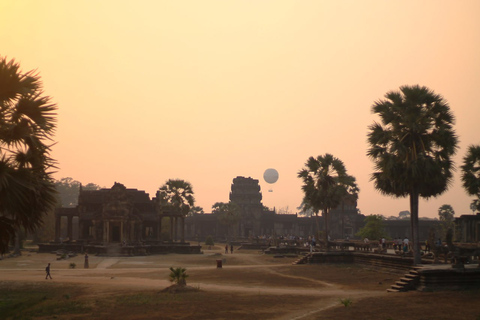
(209, 241)
(346, 302)
(178, 275)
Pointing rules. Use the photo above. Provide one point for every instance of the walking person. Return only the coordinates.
(47, 270)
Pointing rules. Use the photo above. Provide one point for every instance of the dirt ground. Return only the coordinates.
(250, 285)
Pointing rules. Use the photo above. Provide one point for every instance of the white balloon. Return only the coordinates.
(270, 175)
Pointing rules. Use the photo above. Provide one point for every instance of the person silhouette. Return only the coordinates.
(47, 270)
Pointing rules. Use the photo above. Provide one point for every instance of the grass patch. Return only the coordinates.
(26, 302)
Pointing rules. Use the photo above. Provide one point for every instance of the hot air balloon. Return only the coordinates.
(270, 176)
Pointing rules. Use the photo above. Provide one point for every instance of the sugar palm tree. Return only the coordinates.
(176, 194)
(412, 148)
(176, 198)
(471, 174)
(325, 185)
(27, 124)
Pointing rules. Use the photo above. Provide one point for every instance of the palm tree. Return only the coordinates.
(178, 275)
(325, 185)
(27, 124)
(412, 148)
(176, 194)
(471, 174)
(175, 197)
(228, 214)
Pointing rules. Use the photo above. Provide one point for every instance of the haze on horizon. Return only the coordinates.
(209, 90)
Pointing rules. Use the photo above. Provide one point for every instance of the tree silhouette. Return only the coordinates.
(325, 185)
(27, 124)
(412, 148)
(471, 174)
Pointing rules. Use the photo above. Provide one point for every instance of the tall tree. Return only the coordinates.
(412, 148)
(27, 125)
(67, 196)
(68, 190)
(446, 219)
(325, 185)
(471, 175)
(374, 228)
(176, 194)
(228, 214)
(195, 210)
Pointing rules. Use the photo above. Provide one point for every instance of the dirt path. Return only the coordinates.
(136, 274)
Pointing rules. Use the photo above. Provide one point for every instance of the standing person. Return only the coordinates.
(47, 270)
(405, 245)
(86, 261)
(226, 248)
(231, 248)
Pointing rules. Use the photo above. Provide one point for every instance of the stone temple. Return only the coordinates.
(255, 220)
(119, 217)
(128, 218)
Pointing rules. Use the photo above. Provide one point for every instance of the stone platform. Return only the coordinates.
(119, 250)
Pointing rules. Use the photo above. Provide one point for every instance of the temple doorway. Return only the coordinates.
(116, 234)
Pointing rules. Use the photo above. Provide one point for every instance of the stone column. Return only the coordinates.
(58, 223)
(70, 227)
(175, 229)
(171, 228)
(81, 231)
(122, 232)
(182, 226)
(159, 229)
(106, 231)
(94, 228)
(132, 231)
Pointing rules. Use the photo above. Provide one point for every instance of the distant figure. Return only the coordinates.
(47, 270)
(366, 240)
(231, 248)
(405, 245)
(86, 261)
(226, 248)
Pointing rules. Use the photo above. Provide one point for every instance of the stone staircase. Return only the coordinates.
(304, 260)
(408, 282)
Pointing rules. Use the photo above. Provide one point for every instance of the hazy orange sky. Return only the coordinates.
(209, 90)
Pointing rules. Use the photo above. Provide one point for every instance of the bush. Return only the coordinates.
(178, 275)
(346, 302)
(209, 241)
(73, 265)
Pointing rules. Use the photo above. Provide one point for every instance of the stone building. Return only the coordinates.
(467, 228)
(119, 215)
(256, 220)
(115, 215)
(402, 228)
